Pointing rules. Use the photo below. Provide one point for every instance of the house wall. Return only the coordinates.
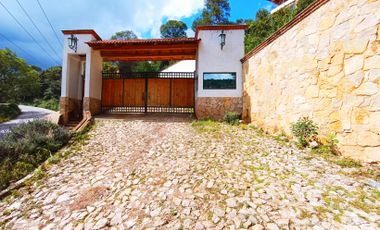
(71, 102)
(211, 58)
(327, 66)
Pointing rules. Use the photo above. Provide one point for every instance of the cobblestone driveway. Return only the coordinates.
(167, 174)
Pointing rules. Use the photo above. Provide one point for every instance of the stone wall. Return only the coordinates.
(326, 66)
(217, 107)
(69, 109)
(91, 106)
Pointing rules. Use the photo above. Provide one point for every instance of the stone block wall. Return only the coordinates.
(217, 107)
(91, 106)
(70, 108)
(326, 66)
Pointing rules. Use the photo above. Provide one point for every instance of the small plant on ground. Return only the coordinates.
(206, 125)
(332, 143)
(8, 111)
(304, 130)
(231, 118)
(346, 162)
(26, 146)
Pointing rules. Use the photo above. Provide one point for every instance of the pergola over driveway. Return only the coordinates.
(212, 90)
(147, 49)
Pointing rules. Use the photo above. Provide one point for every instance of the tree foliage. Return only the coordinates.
(18, 80)
(124, 35)
(266, 24)
(132, 66)
(50, 83)
(216, 12)
(173, 29)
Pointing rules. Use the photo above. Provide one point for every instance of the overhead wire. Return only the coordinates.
(51, 26)
(30, 35)
(20, 48)
(39, 31)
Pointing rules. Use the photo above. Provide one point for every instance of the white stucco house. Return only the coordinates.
(206, 81)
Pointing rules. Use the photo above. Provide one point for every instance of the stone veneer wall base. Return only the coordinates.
(217, 107)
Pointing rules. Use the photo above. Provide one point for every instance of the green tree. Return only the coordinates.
(50, 82)
(124, 35)
(110, 67)
(266, 24)
(173, 29)
(18, 80)
(302, 4)
(216, 12)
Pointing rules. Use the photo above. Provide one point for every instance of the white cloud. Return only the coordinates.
(104, 16)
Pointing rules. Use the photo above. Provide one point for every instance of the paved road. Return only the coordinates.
(28, 113)
(167, 173)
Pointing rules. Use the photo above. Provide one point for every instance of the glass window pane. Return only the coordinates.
(219, 81)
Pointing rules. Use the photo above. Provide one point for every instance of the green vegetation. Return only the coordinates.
(8, 111)
(26, 146)
(30, 85)
(215, 12)
(267, 24)
(173, 29)
(206, 125)
(231, 118)
(52, 104)
(305, 130)
(346, 162)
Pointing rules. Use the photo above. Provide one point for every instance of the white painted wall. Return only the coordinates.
(211, 58)
(72, 69)
(93, 78)
(74, 77)
(181, 66)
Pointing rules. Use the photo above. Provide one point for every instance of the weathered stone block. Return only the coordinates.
(367, 89)
(372, 62)
(357, 45)
(353, 64)
(356, 78)
(367, 138)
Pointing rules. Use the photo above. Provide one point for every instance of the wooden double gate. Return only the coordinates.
(148, 92)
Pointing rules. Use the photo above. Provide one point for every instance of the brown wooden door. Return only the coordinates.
(159, 92)
(134, 92)
(125, 94)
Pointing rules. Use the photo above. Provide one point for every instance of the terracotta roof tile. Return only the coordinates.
(143, 41)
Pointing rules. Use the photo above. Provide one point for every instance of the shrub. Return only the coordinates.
(8, 111)
(26, 146)
(231, 118)
(52, 104)
(304, 129)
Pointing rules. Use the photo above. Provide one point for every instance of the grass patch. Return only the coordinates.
(52, 104)
(231, 118)
(8, 111)
(348, 163)
(327, 153)
(206, 125)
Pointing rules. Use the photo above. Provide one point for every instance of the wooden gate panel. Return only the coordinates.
(182, 92)
(158, 92)
(134, 92)
(112, 92)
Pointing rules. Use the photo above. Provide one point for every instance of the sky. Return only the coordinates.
(41, 44)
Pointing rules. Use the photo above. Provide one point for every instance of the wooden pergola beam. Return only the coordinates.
(150, 58)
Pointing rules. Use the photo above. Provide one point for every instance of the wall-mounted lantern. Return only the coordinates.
(73, 43)
(222, 37)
